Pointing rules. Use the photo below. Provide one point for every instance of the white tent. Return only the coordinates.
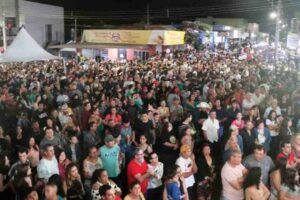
(25, 49)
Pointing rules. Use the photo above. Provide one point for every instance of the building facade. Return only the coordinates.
(45, 23)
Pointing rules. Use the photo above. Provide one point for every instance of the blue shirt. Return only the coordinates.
(173, 191)
(110, 160)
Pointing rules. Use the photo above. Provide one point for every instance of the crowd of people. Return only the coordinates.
(185, 125)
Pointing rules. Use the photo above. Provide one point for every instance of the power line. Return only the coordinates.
(173, 15)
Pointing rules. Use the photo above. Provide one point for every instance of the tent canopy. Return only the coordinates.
(25, 49)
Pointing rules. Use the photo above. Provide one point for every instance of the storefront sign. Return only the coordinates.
(138, 37)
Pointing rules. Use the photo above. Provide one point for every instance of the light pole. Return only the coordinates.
(3, 27)
(277, 33)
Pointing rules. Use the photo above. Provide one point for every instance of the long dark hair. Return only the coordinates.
(270, 115)
(281, 165)
(289, 178)
(56, 179)
(3, 168)
(35, 147)
(202, 147)
(253, 178)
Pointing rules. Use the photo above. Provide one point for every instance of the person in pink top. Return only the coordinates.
(232, 174)
(239, 122)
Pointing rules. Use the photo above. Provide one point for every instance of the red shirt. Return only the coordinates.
(135, 168)
(290, 158)
(117, 118)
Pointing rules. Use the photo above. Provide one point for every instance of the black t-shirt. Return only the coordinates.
(4, 146)
(41, 116)
(221, 114)
(142, 128)
(133, 112)
(168, 137)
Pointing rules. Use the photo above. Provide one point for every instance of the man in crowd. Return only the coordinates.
(50, 138)
(110, 156)
(210, 129)
(286, 152)
(23, 159)
(233, 174)
(138, 170)
(48, 165)
(108, 193)
(260, 159)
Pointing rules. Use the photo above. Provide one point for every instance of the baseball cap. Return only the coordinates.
(109, 138)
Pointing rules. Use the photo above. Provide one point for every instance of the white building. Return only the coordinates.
(45, 23)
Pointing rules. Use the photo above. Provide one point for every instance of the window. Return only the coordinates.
(48, 32)
(141, 55)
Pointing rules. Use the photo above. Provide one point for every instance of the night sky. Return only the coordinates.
(134, 11)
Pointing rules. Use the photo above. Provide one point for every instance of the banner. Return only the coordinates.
(292, 41)
(134, 37)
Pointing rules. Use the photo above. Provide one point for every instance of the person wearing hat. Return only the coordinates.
(110, 157)
(188, 166)
(200, 115)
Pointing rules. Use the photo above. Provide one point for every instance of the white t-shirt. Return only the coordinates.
(272, 123)
(186, 166)
(211, 128)
(47, 168)
(229, 174)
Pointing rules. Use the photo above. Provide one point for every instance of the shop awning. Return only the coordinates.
(97, 46)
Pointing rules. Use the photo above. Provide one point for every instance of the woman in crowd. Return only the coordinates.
(232, 141)
(285, 131)
(19, 138)
(163, 110)
(175, 187)
(135, 192)
(263, 135)
(190, 104)
(273, 124)
(154, 189)
(276, 177)
(145, 146)
(168, 148)
(33, 154)
(22, 179)
(73, 186)
(57, 180)
(90, 164)
(63, 161)
(296, 148)
(4, 180)
(100, 178)
(289, 188)
(254, 187)
(5, 139)
(239, 122)
(187, 122)
(206, 174)
(187, 138)
(113, 115)
(253, 115)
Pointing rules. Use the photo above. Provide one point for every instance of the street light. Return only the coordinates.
(273, 15)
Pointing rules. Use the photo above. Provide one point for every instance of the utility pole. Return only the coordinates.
(277, 33)
(168, 13)
(75, 30)
(148, 15)
(3, 27)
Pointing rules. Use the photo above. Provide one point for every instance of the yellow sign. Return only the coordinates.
(135, 37)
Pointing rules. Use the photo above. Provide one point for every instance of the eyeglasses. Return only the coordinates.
(154, 157)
